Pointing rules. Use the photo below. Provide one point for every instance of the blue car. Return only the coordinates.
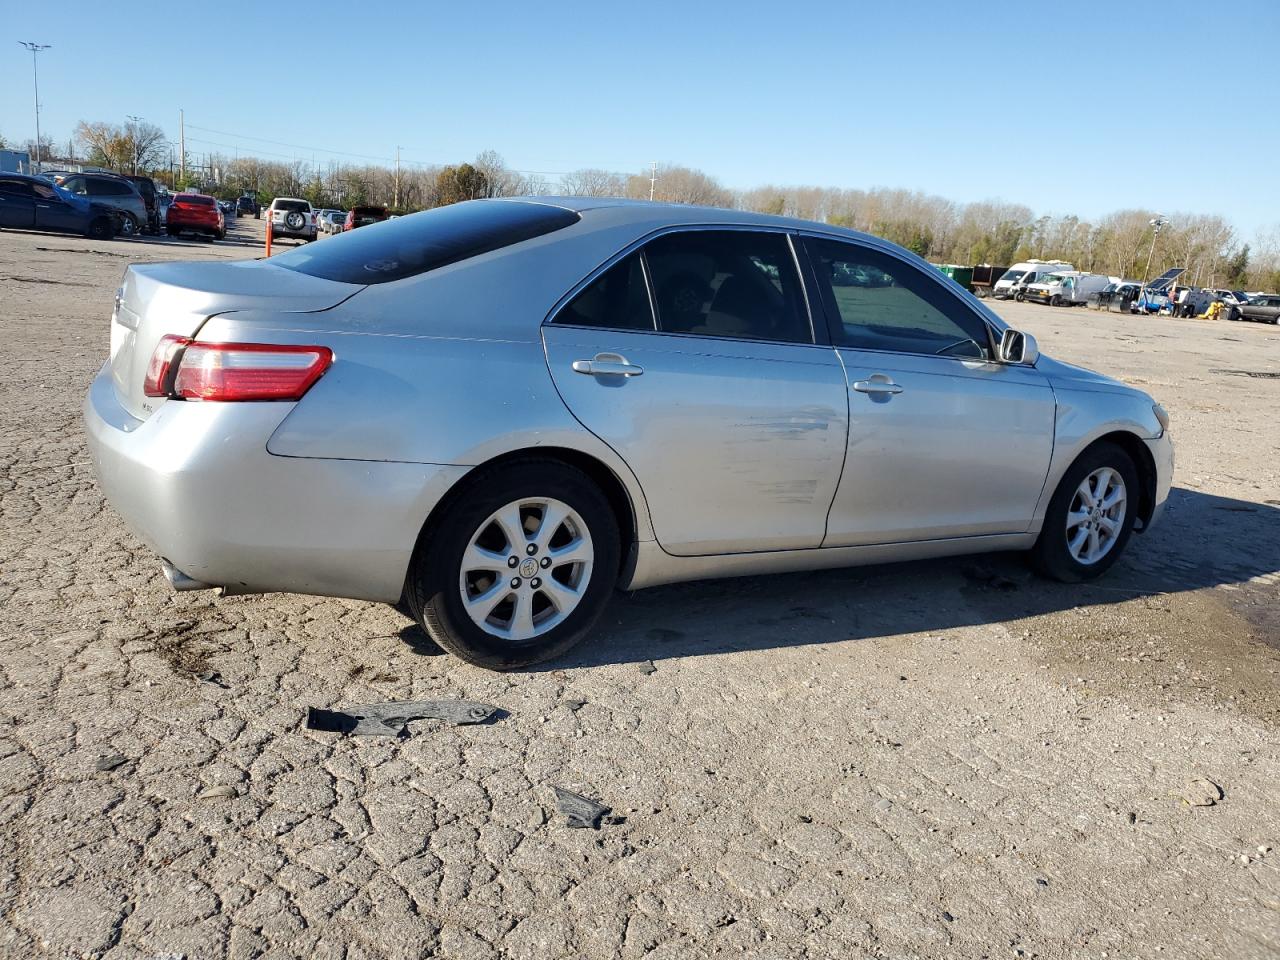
(33, 203)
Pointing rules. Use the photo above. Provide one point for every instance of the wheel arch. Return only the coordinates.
(615, 490)
(1140, 454)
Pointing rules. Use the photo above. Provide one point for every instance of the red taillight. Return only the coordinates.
(157, 380)
(236, 371)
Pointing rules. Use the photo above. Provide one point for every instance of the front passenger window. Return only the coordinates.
(884, 303)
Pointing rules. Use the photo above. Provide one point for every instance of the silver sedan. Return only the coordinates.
(498, 412)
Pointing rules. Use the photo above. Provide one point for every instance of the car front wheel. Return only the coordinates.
(519, 568)
(1090, 518)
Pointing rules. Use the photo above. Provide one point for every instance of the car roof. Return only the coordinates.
(659, 214)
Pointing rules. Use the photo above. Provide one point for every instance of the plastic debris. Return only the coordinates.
(647, 668)
(392, 719)
(581, 812)
(111, 762)
(222, 792)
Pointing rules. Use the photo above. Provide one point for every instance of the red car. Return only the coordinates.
(198, 213)
(363, 216)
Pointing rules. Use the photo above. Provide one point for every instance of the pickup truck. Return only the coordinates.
(1265, 309)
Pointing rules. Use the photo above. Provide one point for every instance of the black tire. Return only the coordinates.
(1050, 555)
(432, 587)
(100, 228)
(1055, 301)
(1233, 314)
(129, 225)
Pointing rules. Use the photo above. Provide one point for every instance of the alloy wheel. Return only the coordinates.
(1095, 517)
(526, 568)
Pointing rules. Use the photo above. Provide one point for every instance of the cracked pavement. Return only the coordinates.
(901, 761)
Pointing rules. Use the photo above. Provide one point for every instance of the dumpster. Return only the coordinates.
(961, 275)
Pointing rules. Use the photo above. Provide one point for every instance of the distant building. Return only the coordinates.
(15, 161)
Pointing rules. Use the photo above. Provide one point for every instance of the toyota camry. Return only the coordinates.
(495, 413)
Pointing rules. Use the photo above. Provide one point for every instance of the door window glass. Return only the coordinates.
(728, 283)
(885, 304)
(75, 185)
(15, 188)
(617, 299)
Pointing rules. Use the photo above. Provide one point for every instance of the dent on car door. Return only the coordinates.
(943, 441)
(695, 361)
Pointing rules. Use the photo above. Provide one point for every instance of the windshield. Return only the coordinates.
(1013, 275)
(407, 246)
(1051, 278)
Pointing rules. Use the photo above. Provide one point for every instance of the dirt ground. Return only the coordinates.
(944, 759)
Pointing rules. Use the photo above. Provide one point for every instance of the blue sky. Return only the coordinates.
(1087, 109)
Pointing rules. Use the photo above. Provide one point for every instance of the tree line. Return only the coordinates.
(941, 230)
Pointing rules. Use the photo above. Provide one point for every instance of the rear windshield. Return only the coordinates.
(292, 205)
(407, 246)
(195, 198)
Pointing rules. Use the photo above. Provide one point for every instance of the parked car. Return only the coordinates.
(668, 393)
(196, 213)
(291, 217)
(1265, 308)
(111, 190)
(1067, 288)
(248, 204)
(33, 203)
(1116, 297)
(227, 207)
(363, 216)
(1015, 280)
(333, 221)
(147, 188)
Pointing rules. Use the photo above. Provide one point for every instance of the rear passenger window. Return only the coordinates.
(728, 283)
(617, 299)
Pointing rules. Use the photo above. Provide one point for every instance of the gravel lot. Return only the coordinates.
(945, 759)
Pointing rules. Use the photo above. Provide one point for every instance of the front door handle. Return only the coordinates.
(608, 365)
(878, 385)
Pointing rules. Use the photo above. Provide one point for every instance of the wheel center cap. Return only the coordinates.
(528, 567)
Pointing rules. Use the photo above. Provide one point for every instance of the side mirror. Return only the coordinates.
(1019, 347)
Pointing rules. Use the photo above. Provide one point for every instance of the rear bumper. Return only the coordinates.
(196, 484)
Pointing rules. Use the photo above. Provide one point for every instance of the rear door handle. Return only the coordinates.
(879, 384)
(608, 365)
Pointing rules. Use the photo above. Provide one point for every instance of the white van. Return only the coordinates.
(1066, 288)
(1029, 271)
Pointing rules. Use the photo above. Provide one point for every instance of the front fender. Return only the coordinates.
(1084, 416)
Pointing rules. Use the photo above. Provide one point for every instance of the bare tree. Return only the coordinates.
(593, 182)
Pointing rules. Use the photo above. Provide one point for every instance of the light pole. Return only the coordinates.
(35, 76)
(133, 142)
(1157, 221)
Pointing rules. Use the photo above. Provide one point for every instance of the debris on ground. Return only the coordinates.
(576, 704)
(1201, 792)
(980, 573)
(110, 763)
(391, 719)
(647, 668)
(581, 812)
(221, 792)
(211, 676)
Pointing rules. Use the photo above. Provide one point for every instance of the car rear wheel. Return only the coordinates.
(519, 568)
(128, 225)
(1090, 518)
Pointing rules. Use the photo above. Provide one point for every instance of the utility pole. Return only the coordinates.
(396, 205)
(182, 145)
(653, 178)
(35, 78)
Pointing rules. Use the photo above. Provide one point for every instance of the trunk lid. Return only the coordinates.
(161, 298)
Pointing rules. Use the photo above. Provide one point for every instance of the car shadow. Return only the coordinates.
(1201, 541)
